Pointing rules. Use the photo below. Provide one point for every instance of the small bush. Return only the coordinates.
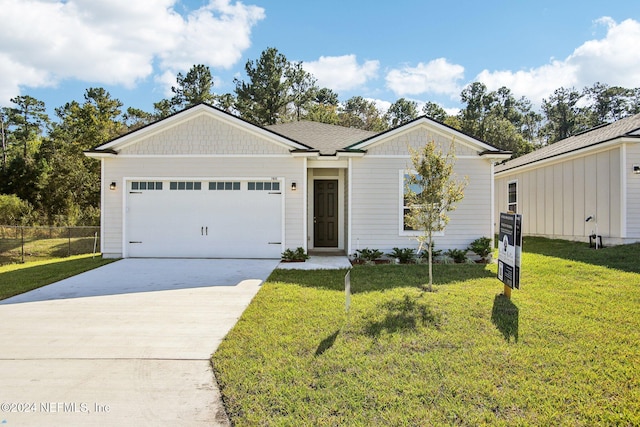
(295, 255)
(458, 255)
(367, 254)
(434, 253)
(404, 255)
(481, 246)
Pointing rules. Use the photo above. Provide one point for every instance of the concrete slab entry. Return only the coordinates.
(136, 335)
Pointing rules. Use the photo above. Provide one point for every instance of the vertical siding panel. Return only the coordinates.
(568, 197)
(558, 199)
(548, 190)
(603, 185)
(590, 190)
(633, 192)
(615, 198)
(540, 199)
(579, 197)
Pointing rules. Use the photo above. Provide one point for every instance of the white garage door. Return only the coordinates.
(204, 219)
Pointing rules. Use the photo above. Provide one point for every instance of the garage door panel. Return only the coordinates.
(204, 223)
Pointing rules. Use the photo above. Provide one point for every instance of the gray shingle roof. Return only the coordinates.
(629, 126)
(321, 136)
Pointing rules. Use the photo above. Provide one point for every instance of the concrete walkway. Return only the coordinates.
(126, 344)
(318, 262)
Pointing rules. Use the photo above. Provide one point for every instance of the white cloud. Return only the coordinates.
(342, 72)
(611, 60)
(437, 76)
(380, 104)
(116, 41)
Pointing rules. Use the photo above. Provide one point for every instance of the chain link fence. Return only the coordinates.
(21, 244)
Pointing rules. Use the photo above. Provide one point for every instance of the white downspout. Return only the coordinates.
(349, 205)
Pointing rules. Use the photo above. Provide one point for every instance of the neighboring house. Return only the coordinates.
(204, 183)
(593, 174)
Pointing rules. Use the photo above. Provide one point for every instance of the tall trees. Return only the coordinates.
(302, 87)
(3, 140)
(434, 111)
(401, 111)
(360, 113)
(498, 118)
(562, 114)
(264, 98)
(323, 107)
(28, 118)
(610, 103)
(72, 186)
(478, 106)
(194, 88)
(23, 126)
(191, 89)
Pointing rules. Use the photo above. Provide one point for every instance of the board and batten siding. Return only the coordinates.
(119, 169)
(376, 212)
(633, 192)
(556, 198)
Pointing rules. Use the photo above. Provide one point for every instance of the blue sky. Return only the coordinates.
(420, 50)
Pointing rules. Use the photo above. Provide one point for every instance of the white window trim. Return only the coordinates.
(514, 181)
(401, 205)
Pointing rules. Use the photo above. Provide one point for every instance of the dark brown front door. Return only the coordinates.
(325, 214)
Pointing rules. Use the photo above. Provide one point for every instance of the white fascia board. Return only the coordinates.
(433, 127)
(497, 156)
(99, 155)
(307, 154)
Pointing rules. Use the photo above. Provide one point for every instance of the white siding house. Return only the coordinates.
(204, 183)
(595, 174)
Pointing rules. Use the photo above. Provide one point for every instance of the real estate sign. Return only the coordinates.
(510, 249)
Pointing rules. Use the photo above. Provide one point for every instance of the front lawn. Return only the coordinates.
(19, 278)
(565, 350)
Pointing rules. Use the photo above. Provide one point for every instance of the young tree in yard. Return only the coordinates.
(430, 192)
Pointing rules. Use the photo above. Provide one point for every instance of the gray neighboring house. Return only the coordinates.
(204, 183)
(593, 174)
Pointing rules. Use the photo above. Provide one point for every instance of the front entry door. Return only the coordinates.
(325, 214)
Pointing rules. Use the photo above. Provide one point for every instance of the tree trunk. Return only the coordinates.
(4, 144)
(430, 252)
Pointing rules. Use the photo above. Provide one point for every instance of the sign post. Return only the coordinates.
(509, 251)
(347, 291)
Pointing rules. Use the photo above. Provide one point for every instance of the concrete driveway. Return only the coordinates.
(125, 344)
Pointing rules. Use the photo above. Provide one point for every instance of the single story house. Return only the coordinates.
(594, 175)
(205, 183)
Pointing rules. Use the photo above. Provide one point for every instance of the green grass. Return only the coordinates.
(565, 350)
(19, 278)
(43, 249)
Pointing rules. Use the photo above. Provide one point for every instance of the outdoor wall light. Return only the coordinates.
(294, 186)
(112, 186)
(636, 169)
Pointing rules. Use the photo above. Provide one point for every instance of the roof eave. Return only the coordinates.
(586, 149)
(100, 154)
(496, 155)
